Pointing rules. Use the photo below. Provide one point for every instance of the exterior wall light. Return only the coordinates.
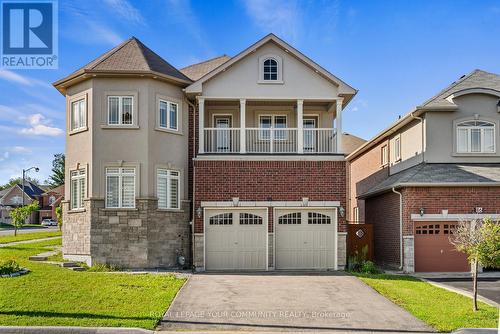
(199, 212)
(422, 212)
(341, 211)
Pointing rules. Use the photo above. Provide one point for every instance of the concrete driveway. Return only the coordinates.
(285, 302)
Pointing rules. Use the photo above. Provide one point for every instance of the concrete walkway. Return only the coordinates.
(285, 302)
(27, 241)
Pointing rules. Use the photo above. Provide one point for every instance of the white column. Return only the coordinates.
(201, 125)
(339, 125)
(300, 126)
(243, 144)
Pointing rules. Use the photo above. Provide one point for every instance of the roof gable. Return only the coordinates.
(344, 89)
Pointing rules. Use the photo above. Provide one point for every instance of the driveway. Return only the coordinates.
(487, 287)
(281, 301)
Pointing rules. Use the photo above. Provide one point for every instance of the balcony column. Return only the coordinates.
(243, 144)
(338, 123)
(300, 126)
(201, 125)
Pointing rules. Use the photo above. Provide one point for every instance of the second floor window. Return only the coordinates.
(383, 155)
(397, 149)
(78, 119)
(120, 110)
(270, 70)
(169, 115)
(168, 188)
(476, 137)
(77, 188)
(120, 187)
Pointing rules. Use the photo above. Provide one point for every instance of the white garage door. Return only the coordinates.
(306, 239)
(236, 239)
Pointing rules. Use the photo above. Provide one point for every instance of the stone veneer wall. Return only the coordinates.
(408, 254)
(144, 237)
(341, 250)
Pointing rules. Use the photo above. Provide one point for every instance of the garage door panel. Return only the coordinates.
(236, 239)
(305, 239)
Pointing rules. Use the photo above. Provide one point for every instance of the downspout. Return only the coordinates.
(193, 206)
(423, 133)
(400, 227)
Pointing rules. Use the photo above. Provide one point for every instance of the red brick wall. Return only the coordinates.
(269, 181)
(364, 172)
(383, 212)
(457, 200)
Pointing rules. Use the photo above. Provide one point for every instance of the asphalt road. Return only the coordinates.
(487, 287)
(28, 230)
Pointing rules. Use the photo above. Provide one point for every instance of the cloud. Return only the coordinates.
(104, 34)
(20, 150)
(20, 79)
(39, 126)
(279, 16)
(125, 10)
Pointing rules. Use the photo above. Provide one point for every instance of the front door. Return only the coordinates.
(309, 135)
(223, 134)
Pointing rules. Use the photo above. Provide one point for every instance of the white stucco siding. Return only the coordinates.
(242, 79)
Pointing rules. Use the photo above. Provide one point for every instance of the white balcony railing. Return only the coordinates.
(269, 140)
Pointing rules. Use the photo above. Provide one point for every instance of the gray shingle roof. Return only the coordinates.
(426, 174)
(131, 56)
(196, 71)
(475, 79)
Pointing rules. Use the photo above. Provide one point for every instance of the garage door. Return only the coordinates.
(433, 250)
(236, 239)
(305, 239)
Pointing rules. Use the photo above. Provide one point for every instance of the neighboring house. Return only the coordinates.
(435, 166)
(12, 198)
(49, 201)
(235, 163)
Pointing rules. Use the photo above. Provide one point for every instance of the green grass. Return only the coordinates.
(4, 239)
(25, 226)
(444, 310)
(53, 296)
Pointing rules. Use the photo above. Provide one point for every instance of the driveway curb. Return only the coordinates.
(461, 292)
(70, 330)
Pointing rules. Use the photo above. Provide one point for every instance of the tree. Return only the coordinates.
(57, 176)
(20, 214)
(59, 217)
(19, 180)
(480, 241)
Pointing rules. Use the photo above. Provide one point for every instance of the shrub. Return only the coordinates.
(369, 267)
(9, 267)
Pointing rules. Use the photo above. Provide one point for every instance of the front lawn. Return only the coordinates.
(5, 239)
(444, 310)
(53, 296)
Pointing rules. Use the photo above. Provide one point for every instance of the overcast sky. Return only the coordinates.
(396, 53)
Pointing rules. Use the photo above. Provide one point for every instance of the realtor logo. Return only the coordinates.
(29, 34)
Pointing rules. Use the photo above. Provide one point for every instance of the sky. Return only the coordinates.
(397, 54)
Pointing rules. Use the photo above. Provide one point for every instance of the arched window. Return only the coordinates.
(293, 218)
(475, 136)
(270, 69)
(250, 219)
(221, 219)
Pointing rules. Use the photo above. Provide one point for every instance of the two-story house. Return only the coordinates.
(12, 198)
(435, 166)
(252, 142)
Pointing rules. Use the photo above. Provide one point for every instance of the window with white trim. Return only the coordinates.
(293, 218)
(397, 148)
(168, 115)
(120, 187)
(277, 122)
(221, 219)
(78, 115)
(167, 188)
(250, 219)
(270, 69)
(383, 155)
(475, 136)
(120, 110)
(77, 188)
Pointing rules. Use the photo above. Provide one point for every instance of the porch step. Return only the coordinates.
(69, 264)
(76, 268)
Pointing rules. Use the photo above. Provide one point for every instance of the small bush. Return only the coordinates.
(369, 267)
(9, 267)
(102, 267)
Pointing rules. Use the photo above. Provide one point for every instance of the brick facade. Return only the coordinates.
(268, 180)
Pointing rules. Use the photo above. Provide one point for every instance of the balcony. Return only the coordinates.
(270, 141)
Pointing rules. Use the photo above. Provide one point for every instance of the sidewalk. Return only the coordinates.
(27, 241)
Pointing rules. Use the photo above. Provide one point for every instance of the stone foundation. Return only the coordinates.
(341, 250)
(408, 254)
(199, 252)
(144, 237)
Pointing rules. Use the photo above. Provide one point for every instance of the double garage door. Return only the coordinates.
(238, 239)
(433, 250)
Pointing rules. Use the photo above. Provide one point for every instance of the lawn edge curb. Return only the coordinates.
(72, 330)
